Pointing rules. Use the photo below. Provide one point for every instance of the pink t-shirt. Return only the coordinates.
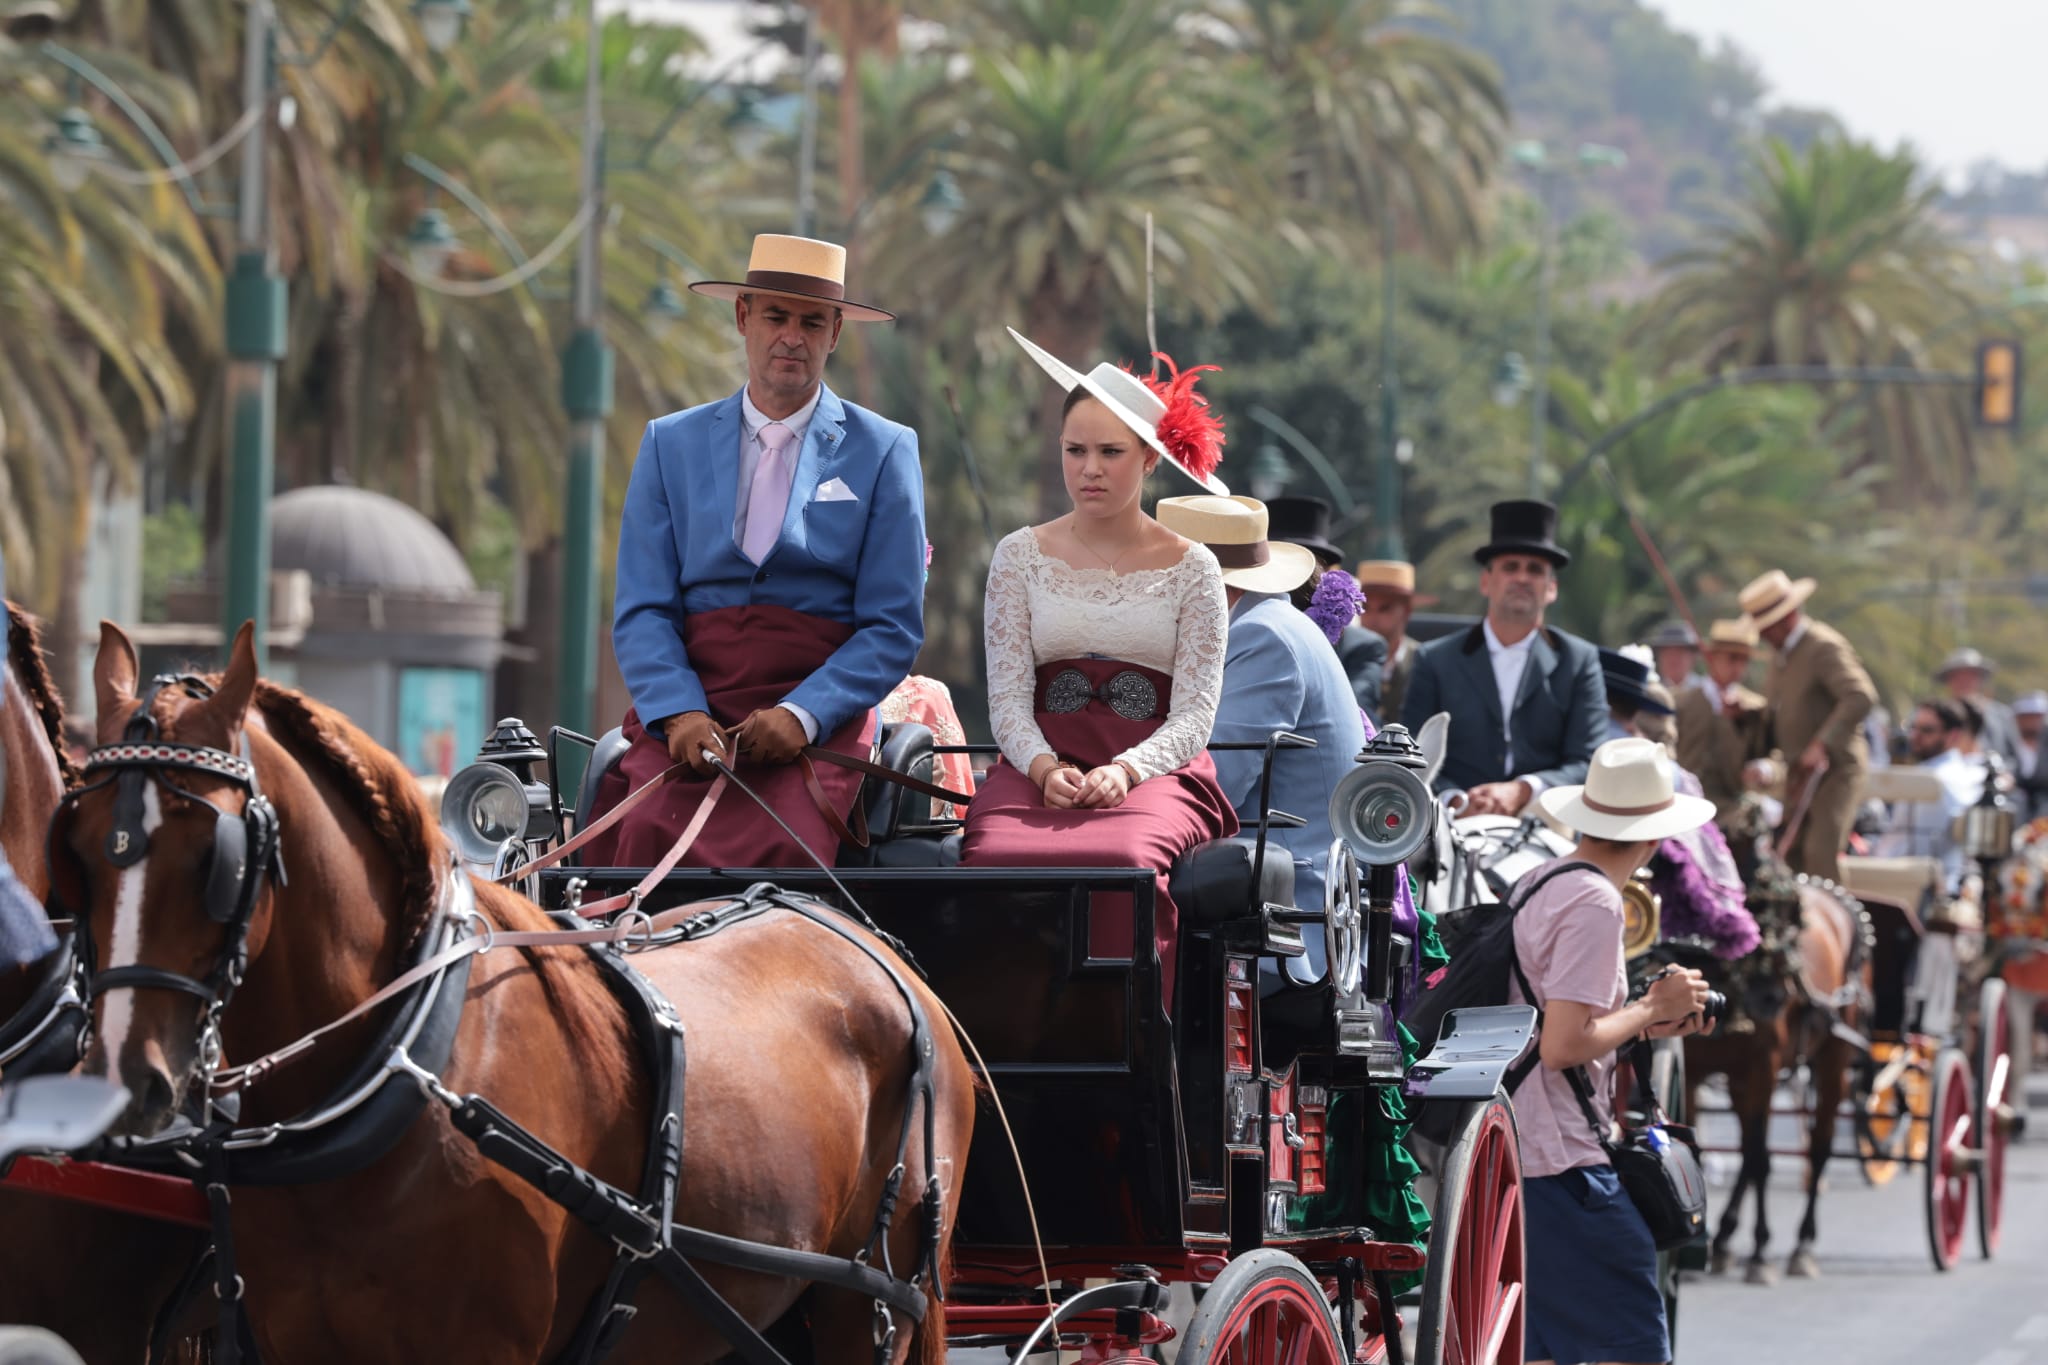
(1569, 940)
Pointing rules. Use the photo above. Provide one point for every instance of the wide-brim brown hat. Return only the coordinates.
(1234, 530)
(1770, 598)
(1730, 637)
(796, 268)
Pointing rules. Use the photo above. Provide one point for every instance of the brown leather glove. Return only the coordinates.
(772, 734)
(689, 735)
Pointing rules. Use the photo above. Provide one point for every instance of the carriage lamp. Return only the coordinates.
(441, 21)
(500, 797)
(1383, 807)
(1987, 827)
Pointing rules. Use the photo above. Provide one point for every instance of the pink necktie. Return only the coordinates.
(770, 494)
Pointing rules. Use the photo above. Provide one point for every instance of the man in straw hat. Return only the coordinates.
(1966, 675)
(1593, 1282)
(1721, 723)
(1390, 599)
(1279, 674)
(770, 577)
(1818, 694)
(1527, 702)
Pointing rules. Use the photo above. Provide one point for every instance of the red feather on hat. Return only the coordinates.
(1191, 433)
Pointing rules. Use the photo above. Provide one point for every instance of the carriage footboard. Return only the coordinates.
(1473, 1053)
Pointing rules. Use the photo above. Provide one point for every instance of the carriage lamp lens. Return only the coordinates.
(1382, 810)
(499, 813)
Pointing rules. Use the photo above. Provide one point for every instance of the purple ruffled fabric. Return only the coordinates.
(1694, 875)
(1335, 603)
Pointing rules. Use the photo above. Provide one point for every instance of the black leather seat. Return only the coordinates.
(904, 747)
(1212, 882)
(611, 747)
(917, 850)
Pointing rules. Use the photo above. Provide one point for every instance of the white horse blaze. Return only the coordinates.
(127, 938)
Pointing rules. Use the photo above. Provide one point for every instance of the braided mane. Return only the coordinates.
(25, 652)
(384, 791)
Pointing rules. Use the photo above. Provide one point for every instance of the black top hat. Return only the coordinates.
(1304, 522)
(1523, 526)
(1629, 680)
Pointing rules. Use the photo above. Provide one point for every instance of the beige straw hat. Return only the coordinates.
(1772, 597)
(1234, 529)
(796, 268)
(1627, 796)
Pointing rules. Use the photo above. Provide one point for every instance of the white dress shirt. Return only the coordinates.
(1792, 640)
(1510, 662)
(2026, 756)
(752, 419)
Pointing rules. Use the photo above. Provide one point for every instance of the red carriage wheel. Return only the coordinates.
(1994, 1083)
(1472, 1291)
(1950, 1158)
(1264, 1309)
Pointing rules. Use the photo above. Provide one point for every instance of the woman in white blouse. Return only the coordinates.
(1106, 636)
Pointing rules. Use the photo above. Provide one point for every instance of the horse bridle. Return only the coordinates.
(245, 849)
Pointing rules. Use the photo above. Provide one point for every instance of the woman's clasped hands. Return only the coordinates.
(1066, 787)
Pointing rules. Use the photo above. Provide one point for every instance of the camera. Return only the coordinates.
(1711, 1014)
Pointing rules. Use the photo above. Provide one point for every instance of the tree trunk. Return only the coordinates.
(852, 194)
(1072, 330)
(66, 639)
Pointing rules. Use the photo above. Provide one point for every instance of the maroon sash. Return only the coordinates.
(748, 658)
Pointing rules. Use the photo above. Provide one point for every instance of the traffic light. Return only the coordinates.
(1998, 384)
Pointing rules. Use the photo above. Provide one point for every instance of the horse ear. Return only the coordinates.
(115, 671)
(230, 700)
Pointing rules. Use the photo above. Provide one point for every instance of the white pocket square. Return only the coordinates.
(835, 490)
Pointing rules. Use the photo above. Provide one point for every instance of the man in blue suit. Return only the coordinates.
(1279, 673)
(1528, 703)
(770, 578)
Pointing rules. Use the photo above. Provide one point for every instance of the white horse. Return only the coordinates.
(1475, 859)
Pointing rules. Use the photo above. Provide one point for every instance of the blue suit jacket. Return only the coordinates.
(1280, 673)
(1560, 712)
(859, 560)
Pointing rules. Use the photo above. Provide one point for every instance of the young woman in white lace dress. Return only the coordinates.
(1106, 635)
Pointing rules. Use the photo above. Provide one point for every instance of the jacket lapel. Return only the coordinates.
(1542, 662)
(821, 447)
(1478, 662)
(728, 429)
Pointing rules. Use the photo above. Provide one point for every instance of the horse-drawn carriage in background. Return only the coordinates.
(1233, 1138)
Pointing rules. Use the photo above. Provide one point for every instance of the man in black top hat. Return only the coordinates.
(1306, 522)
(1528, 703)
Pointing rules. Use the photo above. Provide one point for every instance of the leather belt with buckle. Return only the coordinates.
(1130, 694)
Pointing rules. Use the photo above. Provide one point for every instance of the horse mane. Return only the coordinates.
(385, 794)
(25, 653)
(388, 797)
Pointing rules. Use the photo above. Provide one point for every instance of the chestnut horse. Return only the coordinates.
(93, 1276)
(1792, 1016)
(799, 1069)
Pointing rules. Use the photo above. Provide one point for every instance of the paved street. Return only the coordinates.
(1879, 1300)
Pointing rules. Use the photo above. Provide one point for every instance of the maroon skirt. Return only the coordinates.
(747, 658)
(1009, 825)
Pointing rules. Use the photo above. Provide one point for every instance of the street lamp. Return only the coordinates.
(1269, 473)
(1534, 156)
(430, 242)
(74, 147)
(942, 203)
(441, 21)
(1510, 380)
(663, 309)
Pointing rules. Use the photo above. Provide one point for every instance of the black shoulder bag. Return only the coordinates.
(1658, 1162)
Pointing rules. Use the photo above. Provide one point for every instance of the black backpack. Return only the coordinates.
(1482, 961)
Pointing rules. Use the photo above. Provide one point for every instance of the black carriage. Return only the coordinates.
(1219, 1144)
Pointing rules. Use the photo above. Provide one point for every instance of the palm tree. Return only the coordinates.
(1387, 122)
(1836, 258)
(1058, 155)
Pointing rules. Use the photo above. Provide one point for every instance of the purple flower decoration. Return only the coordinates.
(1336, 603)
(1697, 902)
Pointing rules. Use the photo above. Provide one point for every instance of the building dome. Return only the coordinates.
(346, 537)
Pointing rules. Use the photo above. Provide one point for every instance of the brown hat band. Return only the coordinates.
(789, 282)
(1666, 804)
(1242, 556)
(1767, 608)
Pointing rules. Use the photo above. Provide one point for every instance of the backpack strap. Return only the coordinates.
(1519, 1072)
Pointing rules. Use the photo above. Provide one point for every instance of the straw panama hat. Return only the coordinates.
(1731, 637)
(1772, 597)
(796, 268)
(1234, 530)
(1627, 796)
(1132, 403)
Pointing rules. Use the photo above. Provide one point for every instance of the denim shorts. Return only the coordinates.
(1593, 1291)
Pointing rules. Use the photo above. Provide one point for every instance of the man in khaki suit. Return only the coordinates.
(1818, 694)
(1390, 599)
(1722, 725)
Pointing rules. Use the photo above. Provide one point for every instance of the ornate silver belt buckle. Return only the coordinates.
(1068, 691)
(1133, 696)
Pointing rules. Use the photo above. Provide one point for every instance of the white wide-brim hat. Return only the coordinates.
(1628, 796)
(1234, 530)
(1127, 398)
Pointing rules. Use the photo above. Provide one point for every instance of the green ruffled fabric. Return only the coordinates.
(1372, 1181)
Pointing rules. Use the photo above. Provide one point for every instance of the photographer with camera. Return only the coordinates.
(1592, 1257)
